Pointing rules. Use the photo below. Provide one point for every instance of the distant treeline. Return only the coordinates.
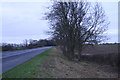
(105, 44)
(27, 44)
(109, 43)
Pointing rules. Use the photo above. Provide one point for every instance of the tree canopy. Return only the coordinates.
(74, 24)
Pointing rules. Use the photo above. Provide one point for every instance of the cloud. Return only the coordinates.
(23, 20)
(56, 0)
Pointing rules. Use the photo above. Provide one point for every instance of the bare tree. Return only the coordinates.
(26, 42)
(75, 24)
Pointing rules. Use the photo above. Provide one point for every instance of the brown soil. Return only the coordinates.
(101, 49)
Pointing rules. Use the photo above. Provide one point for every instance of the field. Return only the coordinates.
(101, 49)
(106, 54)
(52, 64)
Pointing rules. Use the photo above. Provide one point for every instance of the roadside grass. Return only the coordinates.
(29, 68)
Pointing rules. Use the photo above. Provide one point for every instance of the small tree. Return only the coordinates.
(25, 42)
(76, 23)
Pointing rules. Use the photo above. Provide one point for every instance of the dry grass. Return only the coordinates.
(58, 66)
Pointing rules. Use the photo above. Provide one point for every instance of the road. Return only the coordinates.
(14, 58)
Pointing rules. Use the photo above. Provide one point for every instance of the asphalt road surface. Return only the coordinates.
(14, 58)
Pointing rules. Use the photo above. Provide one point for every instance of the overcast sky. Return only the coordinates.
(24, 20)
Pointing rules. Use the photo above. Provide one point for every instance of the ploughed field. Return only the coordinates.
(101, 49)
(103, 54)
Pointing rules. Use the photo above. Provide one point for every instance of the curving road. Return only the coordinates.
(14, 58)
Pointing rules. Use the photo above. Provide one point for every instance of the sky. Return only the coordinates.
(25, 20)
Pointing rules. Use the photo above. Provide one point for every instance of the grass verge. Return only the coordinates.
(29, 68)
